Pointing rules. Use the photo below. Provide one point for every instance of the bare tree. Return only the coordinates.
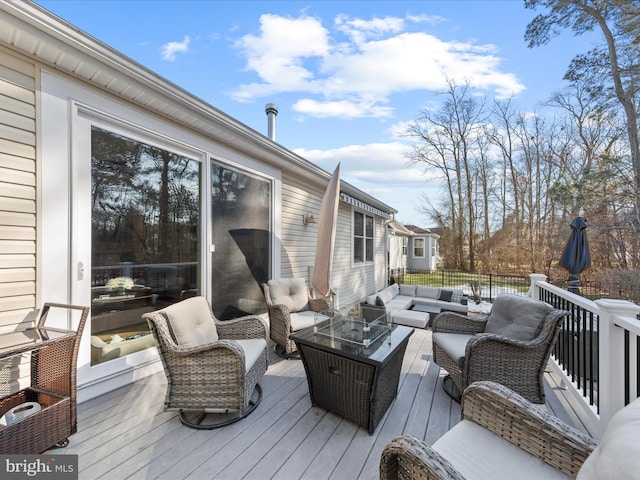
(615, 66)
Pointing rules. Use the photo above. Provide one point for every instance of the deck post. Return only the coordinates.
(611, 375)
(534, 290)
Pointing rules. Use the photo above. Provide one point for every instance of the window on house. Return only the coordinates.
(362, 238)
(418, 247)
(434, 248)
(405, 245)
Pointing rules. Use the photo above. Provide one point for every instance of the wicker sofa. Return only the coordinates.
(399, 300)
(503, 436)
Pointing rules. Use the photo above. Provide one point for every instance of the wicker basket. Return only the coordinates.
(36, 433)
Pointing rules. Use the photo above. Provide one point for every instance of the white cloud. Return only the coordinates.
(170, 49)
(354, 70)
(382, 171)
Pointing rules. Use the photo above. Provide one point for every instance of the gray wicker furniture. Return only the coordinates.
(212, 367)
(501, 436)
(53, 354)
(510, 346)
(355, 382)
(291, 308)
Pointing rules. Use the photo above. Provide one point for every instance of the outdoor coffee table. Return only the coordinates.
(345, 375)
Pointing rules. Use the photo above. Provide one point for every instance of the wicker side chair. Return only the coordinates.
(510, 346)
(291, 308)
(504, 436)
(212, 367)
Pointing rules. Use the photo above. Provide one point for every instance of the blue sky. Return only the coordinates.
(346, 77)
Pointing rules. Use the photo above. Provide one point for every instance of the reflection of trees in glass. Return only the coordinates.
(240, 224)
(145, 202)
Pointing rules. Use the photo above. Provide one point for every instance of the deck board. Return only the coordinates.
(125, 435)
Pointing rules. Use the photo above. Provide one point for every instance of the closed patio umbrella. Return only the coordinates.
(321, 280)
(575, 257)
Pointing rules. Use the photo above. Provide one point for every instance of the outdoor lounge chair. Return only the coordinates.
(212, 367)
(291, 308)
(510, 346)
(503, 436)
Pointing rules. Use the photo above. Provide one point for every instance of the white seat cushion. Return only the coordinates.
(300, 320)
(253, 348)
(480, 454)
(410, 318)
(453, 344)
(425, 301)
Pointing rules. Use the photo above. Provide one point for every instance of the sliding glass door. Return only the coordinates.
(145, 238)
(241, 239)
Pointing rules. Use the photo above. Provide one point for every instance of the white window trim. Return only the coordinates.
(365, 214)
(424, 245)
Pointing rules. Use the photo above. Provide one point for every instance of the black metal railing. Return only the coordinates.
(478, 286)
(576, 350)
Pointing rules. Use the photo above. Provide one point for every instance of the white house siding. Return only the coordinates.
(17, 190)
(298, 240)
(353, 282)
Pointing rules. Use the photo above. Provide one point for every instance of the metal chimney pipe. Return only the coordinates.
(271, 111)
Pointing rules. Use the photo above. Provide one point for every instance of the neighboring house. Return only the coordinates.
(412, 247)
(122, 191)
(399, 237)
(422, 251)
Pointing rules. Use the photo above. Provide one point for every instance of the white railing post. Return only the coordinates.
(611, 354)
(534, 289)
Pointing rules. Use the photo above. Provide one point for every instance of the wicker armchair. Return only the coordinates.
(510, 346)
(212, 367)
(291, 308)
(503, 436)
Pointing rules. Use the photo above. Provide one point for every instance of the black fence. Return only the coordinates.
(478, 286)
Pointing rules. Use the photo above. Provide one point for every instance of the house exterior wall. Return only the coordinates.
(352, 282)
(45, 111)
(17, 190)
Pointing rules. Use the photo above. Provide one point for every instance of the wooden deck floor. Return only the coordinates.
(126, 435)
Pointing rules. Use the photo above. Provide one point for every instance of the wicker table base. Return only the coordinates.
(357, 383)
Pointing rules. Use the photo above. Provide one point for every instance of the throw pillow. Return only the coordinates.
(616, 456)
(457, 295)
(371, 299)
(191, 323)
(517, 317)
(379, 301)
(396, 289)
(291, 292)
(445, 295)
(409, 290)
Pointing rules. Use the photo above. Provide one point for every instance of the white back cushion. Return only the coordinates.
(409, 290)
(617, 454)
(191, 323)
(291, 292)
(428, 292)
